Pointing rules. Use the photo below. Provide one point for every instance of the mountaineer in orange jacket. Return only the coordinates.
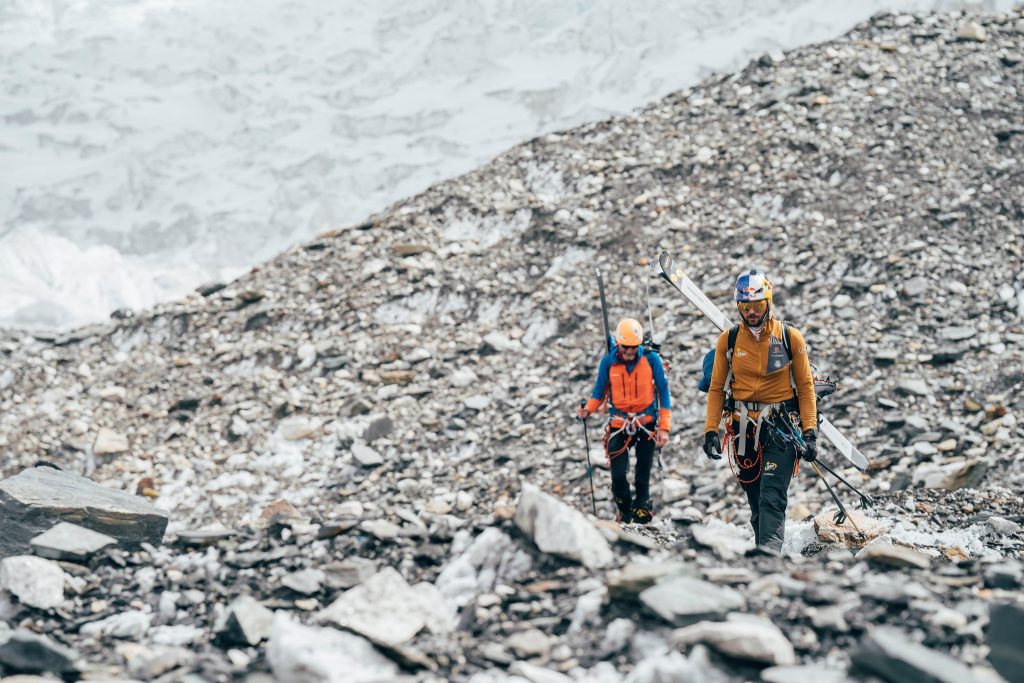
(632, 380)
(768, 373)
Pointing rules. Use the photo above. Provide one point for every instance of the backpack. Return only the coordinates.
(709, 358)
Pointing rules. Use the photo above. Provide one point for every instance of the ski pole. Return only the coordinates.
(865, 499)
(590, 468)
(841, 516)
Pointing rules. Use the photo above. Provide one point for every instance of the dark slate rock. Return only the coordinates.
(1005, 633)
(36, 499)
(887, 653)
(31, 652)
(1006, 575)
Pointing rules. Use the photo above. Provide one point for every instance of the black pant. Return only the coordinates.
(643, 448)
(765, 483)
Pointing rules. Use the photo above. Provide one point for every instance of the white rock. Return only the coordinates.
(130, 625)
(388, 610)
(673, 490)
(462, 377)
(302, 654)
(109, 442)
(727, 540)
(972, 31)
(560, 530)
(742, 636)
(34, 581)
(537, 674)
(299, 427)
(464, 500)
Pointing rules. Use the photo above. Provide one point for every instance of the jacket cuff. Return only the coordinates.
(664, 419)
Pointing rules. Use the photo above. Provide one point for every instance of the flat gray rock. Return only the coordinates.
(67, 541)
(887, 653)
(681, 600)
(36, 499)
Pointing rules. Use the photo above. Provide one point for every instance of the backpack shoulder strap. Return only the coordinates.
(786, 325)
(733, 332)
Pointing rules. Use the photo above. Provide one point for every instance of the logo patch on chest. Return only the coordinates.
(777, 358)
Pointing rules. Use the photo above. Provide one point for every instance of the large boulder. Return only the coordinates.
(37, 499)
(560, 530)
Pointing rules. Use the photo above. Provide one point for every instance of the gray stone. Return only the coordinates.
(560, 530)
(151, 661)
(887, 653)
(38, 498)
(912, 387)
(530, 642)
(24, 650)
(305, 581)
(303, 654)
(246, 622)
(727, 540)
(915, 286)
(349, 572)
(109, 442)
(537, 674)
(1006, 575)
(67, 541)
(366, 456)
(1005, 633)
(896, 556)
(956, 333)
(802, 674)
(381, 427)
(743, 636)
(634, 579)
(950, 476)
(682, 600)
(387, 610)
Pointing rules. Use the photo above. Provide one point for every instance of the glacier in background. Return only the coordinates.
(149, 146)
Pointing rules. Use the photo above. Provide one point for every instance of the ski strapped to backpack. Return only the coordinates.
(675, 276)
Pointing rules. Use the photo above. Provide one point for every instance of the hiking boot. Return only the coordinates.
(624, 517)
(763, 551)
(643, 514)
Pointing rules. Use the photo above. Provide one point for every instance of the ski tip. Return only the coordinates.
(858, 460)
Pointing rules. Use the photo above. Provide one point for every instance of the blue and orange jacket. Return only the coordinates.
(637, 387)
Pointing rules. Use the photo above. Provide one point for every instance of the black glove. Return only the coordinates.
(810, 453)
(712, 446)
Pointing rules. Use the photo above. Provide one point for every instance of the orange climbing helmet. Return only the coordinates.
(629, 332)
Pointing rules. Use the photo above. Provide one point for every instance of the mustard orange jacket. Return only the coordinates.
(633, 388)
(751, 378)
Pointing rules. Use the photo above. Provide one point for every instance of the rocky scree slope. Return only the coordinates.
(403, 379)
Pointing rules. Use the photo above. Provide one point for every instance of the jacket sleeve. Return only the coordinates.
(804, 379)
(661, 384)
(597, 396)
(716, 392)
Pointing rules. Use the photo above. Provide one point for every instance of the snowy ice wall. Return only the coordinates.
(150, 145)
